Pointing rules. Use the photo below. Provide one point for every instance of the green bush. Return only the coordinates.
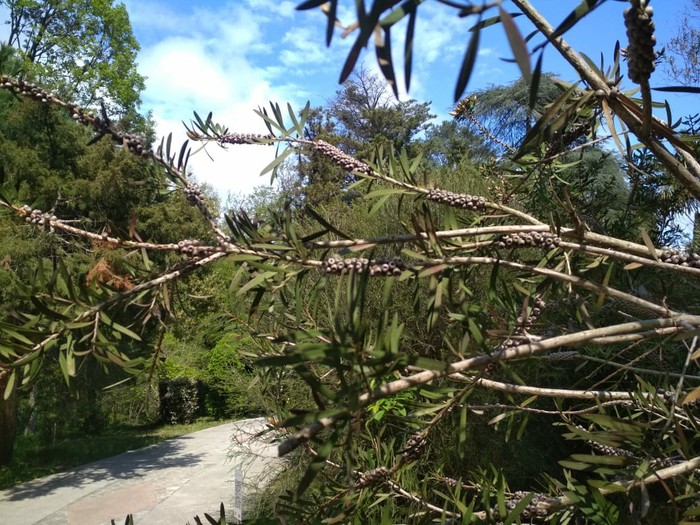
(181, 399)
(228, 379)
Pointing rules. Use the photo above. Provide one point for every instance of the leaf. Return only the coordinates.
(517, 44)
(331, 14)
(272, 166)
(353, 56)
(298, 129)
(611, 126)
(491, 21)
(535, 83)
(649, 244)
(124, 330)
(310, 4)
(408, 7)
(534, 136)
(691, 396)
(679, 89)
(514, 515)
(632, 266)
(467, 65)
(581, 10)
(408, 50)
(382, 48)
(255, 281)
(9, 387)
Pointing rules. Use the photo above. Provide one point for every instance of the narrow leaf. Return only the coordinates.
(517, 44)
(467, 65)
(9, 387)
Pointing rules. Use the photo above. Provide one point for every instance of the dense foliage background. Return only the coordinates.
(490, 319)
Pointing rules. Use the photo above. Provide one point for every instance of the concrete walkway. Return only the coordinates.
(167, 483)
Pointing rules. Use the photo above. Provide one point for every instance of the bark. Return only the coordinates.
(8, 420)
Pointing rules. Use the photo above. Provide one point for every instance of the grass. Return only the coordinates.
(34, 459)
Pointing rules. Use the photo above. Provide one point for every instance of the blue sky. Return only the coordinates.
(230, 57)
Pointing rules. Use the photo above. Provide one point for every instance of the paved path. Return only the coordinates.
(164, 484)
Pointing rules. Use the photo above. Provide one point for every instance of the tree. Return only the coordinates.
(48, 161)
(525, 315)
(362, 108)
(84, 49)
(684, 48)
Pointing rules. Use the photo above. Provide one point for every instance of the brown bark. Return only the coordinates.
(8, 420)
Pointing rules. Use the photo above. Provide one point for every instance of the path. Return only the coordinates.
(164, 484)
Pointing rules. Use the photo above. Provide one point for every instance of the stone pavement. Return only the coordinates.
(163, 484)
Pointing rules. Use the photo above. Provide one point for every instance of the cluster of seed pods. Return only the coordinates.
(532, 239)
(457, 200)
(414, 447)
(378, 267)
(673, 256)
(36, 216)
(641, 56)
(193, 248)
(245, 138)
(537, 509)
(341, 158)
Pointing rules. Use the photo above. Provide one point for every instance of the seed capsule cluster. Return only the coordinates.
(414, 447)
(195, 197)
(193, 248)
(566, 355)
(536, 509)
(520, 327)
(341, 158)
(373, 477)
(610, 451)
(640, 50)
(534, 239)
(36, 216)
(245, 138)
(535, 313)
(605, 449)
(133, 142)
(378, 267)
(457, 200)
(26, 89)
(673, 256)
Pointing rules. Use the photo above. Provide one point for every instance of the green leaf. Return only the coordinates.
(378, 205)
(255, 281)
(124, 330)
(517, 44)
(272, 166)
(9, 387)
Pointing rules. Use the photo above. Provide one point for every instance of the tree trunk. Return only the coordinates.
(8, 420)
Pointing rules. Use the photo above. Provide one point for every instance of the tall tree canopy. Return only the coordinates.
(84, 49)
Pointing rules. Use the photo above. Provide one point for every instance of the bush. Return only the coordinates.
(181, 399)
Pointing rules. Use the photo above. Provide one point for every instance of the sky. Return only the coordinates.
(231, 57)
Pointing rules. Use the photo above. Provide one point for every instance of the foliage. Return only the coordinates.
(684, 48)
(181, 400)
(84, 48)
(528, 365)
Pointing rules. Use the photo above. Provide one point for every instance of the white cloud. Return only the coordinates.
(208, 60)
